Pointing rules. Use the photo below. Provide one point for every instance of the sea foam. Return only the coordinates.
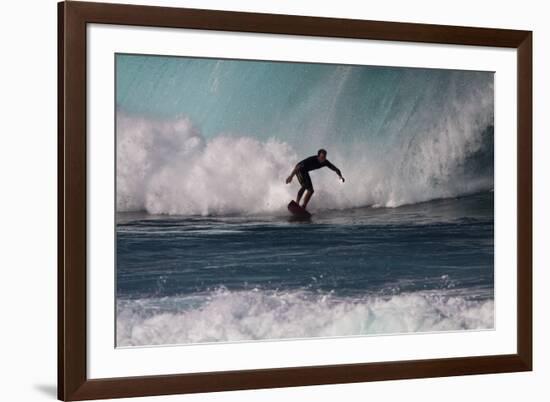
(225, 316)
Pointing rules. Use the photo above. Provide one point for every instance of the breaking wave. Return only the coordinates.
(399, 138)
(225, 316)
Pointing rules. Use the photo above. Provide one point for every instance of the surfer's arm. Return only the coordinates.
(293, 173)
(335, 169)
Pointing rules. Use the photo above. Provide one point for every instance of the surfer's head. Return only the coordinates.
(322, 155)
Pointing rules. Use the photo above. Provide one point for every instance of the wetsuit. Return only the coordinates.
(309, 164)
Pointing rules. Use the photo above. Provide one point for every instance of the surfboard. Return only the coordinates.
(297, 210)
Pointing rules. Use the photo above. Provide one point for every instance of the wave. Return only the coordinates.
(399, 137)
(225, 316)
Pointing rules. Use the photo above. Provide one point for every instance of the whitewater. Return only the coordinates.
(225, 316)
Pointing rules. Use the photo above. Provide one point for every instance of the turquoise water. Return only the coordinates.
(297, 102)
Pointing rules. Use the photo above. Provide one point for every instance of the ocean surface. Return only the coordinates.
(416, 268)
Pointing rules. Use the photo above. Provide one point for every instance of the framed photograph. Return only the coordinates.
(253, 200)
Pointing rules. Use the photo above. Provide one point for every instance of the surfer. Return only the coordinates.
(302, 169)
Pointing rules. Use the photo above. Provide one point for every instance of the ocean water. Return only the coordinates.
(206, 250)
(424, 267)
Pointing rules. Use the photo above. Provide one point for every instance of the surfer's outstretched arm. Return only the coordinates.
(338, 172)
(293, 173)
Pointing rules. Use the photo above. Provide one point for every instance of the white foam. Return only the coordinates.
(168, 167)
(259, 315)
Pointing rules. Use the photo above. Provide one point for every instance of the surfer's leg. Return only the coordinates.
(300, 193)
(308, 185)
(307, 197)
(300, 176)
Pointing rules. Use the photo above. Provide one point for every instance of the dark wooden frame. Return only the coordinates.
(73, 383)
